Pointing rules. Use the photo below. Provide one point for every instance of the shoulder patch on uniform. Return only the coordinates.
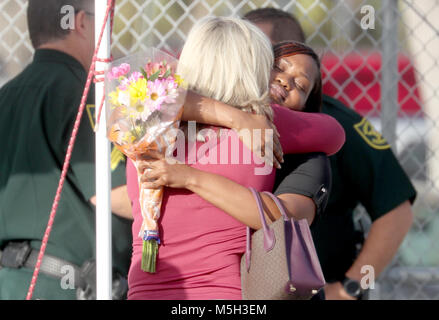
(91, 115)
(372, 137)
(116, 157)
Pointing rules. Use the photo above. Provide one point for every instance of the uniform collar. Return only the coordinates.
(51, 55)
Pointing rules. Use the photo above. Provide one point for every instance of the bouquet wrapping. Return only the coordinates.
(144, 105)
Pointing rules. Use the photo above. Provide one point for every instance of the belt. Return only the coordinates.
(20, 254)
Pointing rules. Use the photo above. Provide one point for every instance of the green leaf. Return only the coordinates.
(154, 76)
(143, 72)
(167, 74)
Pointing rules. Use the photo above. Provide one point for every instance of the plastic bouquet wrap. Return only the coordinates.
(144, 105)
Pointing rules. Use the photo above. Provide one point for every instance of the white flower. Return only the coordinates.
(124, 98)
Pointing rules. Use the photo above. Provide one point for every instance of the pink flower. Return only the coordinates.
(136, 75)
(171, 90)
(124, 84)
(156, 94)
(152, 68)
(132, 79)
(117, 72)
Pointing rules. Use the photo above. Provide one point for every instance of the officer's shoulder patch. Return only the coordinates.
(91, 114)
(372, 137)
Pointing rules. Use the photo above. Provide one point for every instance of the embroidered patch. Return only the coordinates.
(91, 115)
(372, 137)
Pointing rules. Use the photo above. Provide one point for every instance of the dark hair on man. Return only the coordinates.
(285, 25)
(291, 48)
(44, 19)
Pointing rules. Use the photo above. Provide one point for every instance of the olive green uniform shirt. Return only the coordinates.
(37, 112)
(364, 171)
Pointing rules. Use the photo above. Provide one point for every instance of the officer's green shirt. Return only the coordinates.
(37, 112)
(364, 171)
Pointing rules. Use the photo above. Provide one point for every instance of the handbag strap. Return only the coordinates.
(278, 204)
(269, 237)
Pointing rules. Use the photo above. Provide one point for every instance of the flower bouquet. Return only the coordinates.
(144, 104)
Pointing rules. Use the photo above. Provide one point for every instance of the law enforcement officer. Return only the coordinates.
(364, 171)
(37, 112)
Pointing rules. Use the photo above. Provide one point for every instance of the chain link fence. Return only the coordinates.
(386, 68)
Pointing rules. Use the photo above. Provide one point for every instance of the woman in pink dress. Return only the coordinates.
(202, 241)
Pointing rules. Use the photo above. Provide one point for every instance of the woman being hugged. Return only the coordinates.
(204, 235)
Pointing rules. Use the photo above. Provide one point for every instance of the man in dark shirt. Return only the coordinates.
(364, 171)
(37, 112)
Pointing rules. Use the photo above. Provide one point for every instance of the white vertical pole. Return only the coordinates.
(103, 176)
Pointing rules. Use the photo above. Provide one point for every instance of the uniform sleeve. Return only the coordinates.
(302, 132)
(308, 175)
(369, 166)
(82, 163)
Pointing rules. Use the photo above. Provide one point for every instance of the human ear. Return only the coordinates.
(81, 24)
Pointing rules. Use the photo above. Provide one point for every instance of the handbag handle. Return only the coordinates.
(279, 205)
(269, 237)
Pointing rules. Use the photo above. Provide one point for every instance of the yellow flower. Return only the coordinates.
(114, 97)
(137, 130)
(137, 91)
(180, 81)
(128, 138)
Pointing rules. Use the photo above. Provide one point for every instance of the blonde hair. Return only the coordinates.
(230, 60)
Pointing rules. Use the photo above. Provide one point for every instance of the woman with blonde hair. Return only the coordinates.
(229, 71)
(203, 233)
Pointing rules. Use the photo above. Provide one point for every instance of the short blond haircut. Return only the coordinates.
(230, 60)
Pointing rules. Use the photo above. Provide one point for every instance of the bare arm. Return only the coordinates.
(302, 132)
(209, 111)
(299, 206)
(382, 243)
(233, 198)
(120, 202)
(205, 110)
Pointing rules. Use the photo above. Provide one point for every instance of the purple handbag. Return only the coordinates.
(280, 262)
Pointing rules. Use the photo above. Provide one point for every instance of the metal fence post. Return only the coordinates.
(389, 71)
